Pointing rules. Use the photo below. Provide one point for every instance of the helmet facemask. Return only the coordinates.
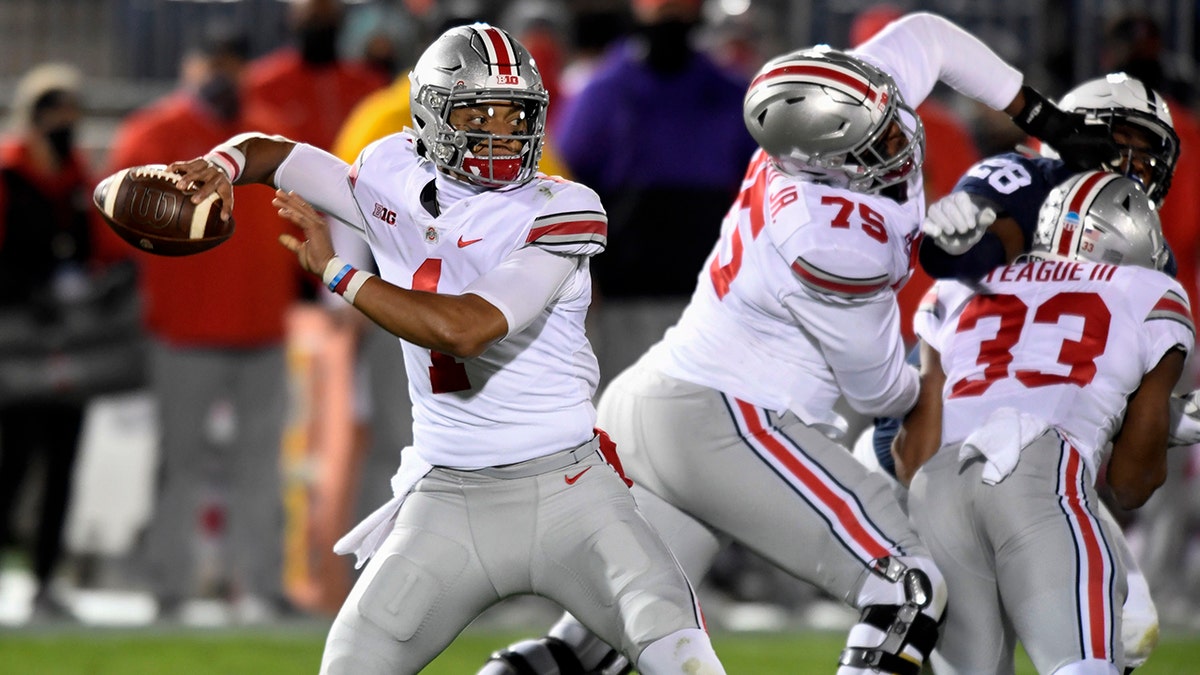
(1141, 123)
(1143, 139)
(479, 66)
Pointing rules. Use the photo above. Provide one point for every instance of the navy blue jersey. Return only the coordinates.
(1016, 184)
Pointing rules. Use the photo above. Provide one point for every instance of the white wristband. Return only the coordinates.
(229, 159)
(332, 267)
(344, 279)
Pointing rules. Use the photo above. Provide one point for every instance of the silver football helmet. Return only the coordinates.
(828, 115)
(468, 65)
(1120, 100)
(1100, 217)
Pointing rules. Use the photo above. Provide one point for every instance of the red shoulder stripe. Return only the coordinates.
(579, 226)
(827, 282)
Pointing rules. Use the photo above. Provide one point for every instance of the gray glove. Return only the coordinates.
(957, 222)
(1185, 420)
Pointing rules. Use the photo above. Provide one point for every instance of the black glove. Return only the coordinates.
(1081, 146)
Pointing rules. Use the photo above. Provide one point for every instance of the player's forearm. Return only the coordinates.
(920, 435)
(263, 156)
(250, 157)
(463, 326)
(1138, 464)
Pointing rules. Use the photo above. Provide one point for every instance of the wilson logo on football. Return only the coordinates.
(154, 208)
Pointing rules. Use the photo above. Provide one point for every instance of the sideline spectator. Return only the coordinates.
(217, 321)
(306, 91)
(50, 251)
(671, 168)
(289, 82)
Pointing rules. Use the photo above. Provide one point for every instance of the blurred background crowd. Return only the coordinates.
(184, 439)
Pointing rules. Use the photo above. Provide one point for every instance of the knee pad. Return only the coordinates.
(549, 656)
(906, 627)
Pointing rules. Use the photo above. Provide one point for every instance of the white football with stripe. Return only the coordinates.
(144, 205)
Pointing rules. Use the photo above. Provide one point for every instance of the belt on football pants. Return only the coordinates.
(540, 465)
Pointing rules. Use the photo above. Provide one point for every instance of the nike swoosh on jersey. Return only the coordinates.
(571, 479)
(467, 242)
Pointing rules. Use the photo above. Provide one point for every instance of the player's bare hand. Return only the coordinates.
(316, 249)
(200, 178)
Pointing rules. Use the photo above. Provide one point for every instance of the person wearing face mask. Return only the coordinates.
(667, 182)
(49, 258)
(217, 327)
(287, 81)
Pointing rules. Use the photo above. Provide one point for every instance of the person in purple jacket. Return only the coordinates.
(666, 184)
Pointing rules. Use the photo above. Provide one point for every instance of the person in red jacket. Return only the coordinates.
(286, 82)
(217, 326)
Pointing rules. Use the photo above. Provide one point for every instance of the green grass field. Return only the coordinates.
(277, 652)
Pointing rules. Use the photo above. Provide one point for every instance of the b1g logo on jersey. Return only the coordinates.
(384, 213)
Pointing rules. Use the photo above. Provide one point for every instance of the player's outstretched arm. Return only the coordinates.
(1000, 244)
(1081, 146)
(1139, 457)
(243, 159)
(920, 434)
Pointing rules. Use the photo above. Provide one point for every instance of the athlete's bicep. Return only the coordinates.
(524, 284)
(322, 180)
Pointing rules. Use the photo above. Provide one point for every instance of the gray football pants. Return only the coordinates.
(464, 540)
(1028, 558)
(769, 481)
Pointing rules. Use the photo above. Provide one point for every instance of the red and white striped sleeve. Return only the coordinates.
(1169, 324)
(573, 223)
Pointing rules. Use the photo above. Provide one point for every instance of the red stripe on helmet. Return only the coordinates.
(856, 83)
(1083, 195)
(505, 55)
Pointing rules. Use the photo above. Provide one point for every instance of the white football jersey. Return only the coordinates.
(529, 394)
(796, 303)
(1066, 342)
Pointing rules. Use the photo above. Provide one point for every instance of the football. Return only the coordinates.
(144, 205)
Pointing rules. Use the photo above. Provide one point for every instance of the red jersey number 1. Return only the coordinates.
(446, 374)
